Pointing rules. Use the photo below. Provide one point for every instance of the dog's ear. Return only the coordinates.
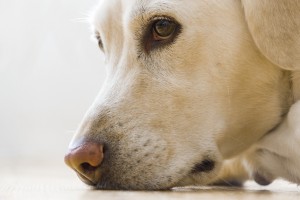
(275, 28)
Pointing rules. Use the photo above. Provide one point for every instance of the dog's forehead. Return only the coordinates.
(110, 11)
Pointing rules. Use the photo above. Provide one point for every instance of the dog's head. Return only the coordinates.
(186, 88)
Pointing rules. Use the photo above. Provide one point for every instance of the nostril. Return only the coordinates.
(86, 160)
(87, 168)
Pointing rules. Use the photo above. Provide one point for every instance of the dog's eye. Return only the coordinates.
(100, 44)
(163, 29)
(160, 32)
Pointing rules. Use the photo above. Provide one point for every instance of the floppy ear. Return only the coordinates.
(275, 28)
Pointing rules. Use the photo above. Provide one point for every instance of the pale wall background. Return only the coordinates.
(50, 72)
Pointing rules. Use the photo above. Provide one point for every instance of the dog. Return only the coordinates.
(277, 155)
(274, 156)
(196, 94)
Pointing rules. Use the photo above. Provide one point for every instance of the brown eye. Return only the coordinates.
(160, 33)
(163, 29)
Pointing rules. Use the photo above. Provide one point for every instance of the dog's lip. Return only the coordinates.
(95, 185)
(85, 180)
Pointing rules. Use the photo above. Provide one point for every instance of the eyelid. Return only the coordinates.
(155, 18)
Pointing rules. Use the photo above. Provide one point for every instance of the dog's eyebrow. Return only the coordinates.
(147, 10)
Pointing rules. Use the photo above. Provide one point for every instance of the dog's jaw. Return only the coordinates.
(161, 113)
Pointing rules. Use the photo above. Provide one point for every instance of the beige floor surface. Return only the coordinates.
(43, 181)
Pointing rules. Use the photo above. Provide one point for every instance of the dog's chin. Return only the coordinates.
(86, 180)
(199, 178)
(191, 179)
(202, 173)
(195, 180)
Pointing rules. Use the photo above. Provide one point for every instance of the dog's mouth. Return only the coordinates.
(201, 168)
(138, 173)
(206, 165)
(85, 180)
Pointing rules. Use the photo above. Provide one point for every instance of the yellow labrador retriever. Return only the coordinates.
(192, 89)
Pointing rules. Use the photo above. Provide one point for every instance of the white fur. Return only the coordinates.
(213, 93)
(277, 154)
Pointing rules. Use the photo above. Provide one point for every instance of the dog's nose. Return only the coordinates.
(86, 160)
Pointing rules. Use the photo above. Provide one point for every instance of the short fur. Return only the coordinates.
(217, 90)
